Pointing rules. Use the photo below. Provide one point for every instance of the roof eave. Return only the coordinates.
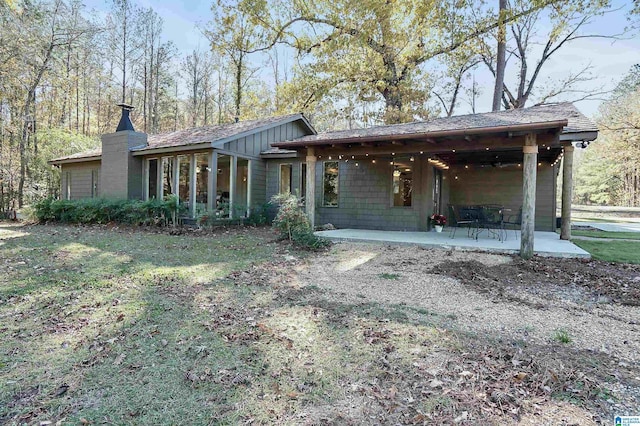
(579, 136)
(219, 143)
(59, 161)
(559, 124)
(164, 150)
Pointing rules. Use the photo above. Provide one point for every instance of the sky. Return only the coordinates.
(610, 59)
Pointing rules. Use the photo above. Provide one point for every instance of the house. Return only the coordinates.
(135, 165)
(387, 177)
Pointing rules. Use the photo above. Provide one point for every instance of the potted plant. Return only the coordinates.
(438, 221)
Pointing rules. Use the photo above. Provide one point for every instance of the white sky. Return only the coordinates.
(610, 60)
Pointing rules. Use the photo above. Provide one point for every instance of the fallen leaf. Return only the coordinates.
(119, 359)
(61, 390)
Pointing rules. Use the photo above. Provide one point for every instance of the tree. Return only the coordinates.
(565, 20)
(233, 34)
(610, 171)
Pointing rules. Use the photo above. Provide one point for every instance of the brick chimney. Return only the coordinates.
(121, 173)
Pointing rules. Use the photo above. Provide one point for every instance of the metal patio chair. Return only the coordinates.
(463, 218)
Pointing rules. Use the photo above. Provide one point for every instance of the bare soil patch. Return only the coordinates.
(533, 334)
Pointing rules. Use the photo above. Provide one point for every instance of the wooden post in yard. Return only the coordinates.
(567, 191)
(529, 174)
(310, 196)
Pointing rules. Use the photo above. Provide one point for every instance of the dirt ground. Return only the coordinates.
(558, 339)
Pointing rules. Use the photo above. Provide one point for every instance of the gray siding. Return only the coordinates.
(504, 186)
(364, 198)
(258, 176)
(81, 179)
(254, 144)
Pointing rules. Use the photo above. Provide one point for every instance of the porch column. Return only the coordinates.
(176, 177)
(232, 185)
(567, 191)
(310, 196)
(213, 182)
(529, 173)
(192, 184)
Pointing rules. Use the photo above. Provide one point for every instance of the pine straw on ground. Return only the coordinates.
(411, 378)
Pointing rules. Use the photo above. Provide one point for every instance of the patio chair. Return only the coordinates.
(467, 219)
(492, 219)
(514, 220)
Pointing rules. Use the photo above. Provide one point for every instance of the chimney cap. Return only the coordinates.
(125, 106)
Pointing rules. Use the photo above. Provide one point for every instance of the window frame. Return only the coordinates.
(280, 165)
(393, 198)
(148, 177)
(324, 168)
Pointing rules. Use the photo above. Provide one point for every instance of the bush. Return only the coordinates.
(292, 223)
(100, 210)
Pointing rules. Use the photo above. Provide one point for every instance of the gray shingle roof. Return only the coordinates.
(196, 135)
(465, 124)
(212, 134)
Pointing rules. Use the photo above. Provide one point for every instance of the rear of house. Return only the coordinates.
(387, 177)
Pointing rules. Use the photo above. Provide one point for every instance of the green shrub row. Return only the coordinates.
(100, 210)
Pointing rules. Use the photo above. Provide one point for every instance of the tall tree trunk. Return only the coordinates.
(500, 57)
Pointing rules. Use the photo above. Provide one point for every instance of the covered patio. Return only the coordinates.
(546, 244)
(393, 178)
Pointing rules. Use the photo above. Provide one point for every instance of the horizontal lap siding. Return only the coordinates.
(80, 179)
(503, 186)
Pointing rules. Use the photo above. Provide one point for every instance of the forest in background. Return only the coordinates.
(344, 63)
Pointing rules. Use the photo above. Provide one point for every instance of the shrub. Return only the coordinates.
(100, 210)
(292, 223)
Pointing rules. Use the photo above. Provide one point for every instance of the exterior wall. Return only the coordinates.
(254, 144)
(365, 193)
(81, 175)
(503, 186)
(121, 174)
(258, 177)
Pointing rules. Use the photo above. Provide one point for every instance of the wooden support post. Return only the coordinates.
(213, 183)
(567, 191)
(310, 196)
(192, 185)
(233, 186)
(529, 174)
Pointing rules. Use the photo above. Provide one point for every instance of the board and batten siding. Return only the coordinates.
(503, 186)
(252, 145)
(82, 176)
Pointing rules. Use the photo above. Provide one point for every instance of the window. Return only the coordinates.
(303, 180)
(330, 184)
(285, 178)
(184, 179)
(167, 177)
(152, 184)
(402, 185)
(95, 177)
(202, 182)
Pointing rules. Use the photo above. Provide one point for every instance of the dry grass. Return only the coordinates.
(129, 327)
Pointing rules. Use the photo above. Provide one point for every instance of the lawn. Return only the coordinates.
(111, 325)
(118, 326)
(611, 251)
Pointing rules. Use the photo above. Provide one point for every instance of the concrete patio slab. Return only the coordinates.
(546, 244)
